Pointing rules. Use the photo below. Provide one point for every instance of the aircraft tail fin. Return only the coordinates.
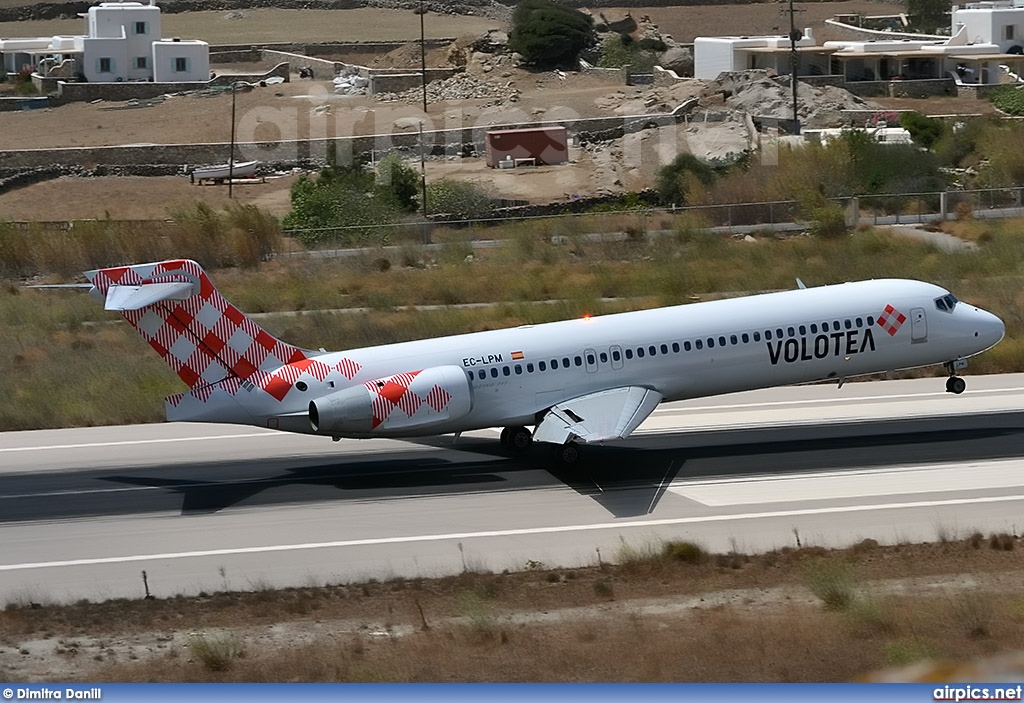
(198, 333)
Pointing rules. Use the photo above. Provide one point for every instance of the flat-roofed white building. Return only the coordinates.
(985, 48)
(122, 42)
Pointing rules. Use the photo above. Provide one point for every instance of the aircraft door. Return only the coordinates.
(615, 352)
(918, 325)
(590, 357)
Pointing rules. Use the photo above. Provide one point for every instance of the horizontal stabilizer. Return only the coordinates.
(138, 297)
(611, 414)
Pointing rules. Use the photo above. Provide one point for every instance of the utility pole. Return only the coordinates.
(231, 156)
(423, 58)
(794, 37)
(423, 187)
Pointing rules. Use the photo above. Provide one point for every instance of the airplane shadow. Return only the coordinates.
(627, 479)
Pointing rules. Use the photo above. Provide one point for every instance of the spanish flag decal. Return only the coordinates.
(517, 356)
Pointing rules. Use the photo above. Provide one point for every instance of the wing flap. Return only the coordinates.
(610, 414)
(138, 297)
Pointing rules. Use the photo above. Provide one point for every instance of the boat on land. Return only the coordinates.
(222, 172)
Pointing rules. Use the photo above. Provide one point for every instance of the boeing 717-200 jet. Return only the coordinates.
(585, 380)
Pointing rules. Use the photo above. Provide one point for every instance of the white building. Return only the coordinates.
(122, 42)
(985, 47)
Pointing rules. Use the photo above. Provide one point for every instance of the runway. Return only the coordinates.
(206, 507)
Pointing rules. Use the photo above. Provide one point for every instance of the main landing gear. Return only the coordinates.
(516, 439)
(955, 384)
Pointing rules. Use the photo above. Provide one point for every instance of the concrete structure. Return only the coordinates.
(985, 48)
(122, 42)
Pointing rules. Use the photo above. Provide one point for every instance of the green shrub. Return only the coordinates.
(217, 652)
(1008, 99)
(834, 583)
(545, 32)
(687, 552)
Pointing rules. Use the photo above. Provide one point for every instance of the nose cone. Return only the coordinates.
(988, 329)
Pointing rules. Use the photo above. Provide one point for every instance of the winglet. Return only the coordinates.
(800, 284)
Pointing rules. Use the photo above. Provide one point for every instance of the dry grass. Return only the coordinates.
(692, 622)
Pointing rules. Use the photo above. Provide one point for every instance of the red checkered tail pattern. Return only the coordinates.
(203, 337)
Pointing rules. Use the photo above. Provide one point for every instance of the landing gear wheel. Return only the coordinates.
(516, 439)
(955, 385)
(565, 455)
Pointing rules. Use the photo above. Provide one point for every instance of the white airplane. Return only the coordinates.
(587, 380)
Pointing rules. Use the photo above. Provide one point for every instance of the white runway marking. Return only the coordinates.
(892, 480)
(507, 533)
(130, 442)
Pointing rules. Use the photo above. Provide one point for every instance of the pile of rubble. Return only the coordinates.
(350, 85)
(763, 94)
(461, 86)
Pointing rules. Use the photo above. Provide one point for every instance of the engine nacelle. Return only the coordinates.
(402, 404)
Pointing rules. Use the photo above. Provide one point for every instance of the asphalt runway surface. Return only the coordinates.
(203, 507)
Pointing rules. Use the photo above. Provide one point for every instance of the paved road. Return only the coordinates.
(84, 511)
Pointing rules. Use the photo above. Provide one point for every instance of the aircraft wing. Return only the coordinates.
(610, 414)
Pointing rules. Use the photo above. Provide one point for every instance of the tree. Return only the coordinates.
(673, 179)
(341, 203)
(928, 15)
(925, 131)
(545, 32)
(397, 176)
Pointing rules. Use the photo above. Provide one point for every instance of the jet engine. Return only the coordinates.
(395, 405)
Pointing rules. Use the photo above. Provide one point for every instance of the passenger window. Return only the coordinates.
(604, 358)
(803, 330)
(664, 349)
(792, 332)
(519, 369)
(640, 352)
(824, 327)
(652, 351)
(615, 355)
(814, 328)
(506, 371)
(757, 336)
(675, 347)
(835, 325)
(778, 333)
(860, 322)
(542, 366)
(529, 367)
(746, 338)
(554, 364)
(565, 362)
(686, 346)
(721, 341)
(482, 374)
(629, 353)
(591, 359)
(848, 323)
(494, 373)
(871, 321)
(578, 360)
(733, 339)
(768, 335)
(711, 342)
(700, 344)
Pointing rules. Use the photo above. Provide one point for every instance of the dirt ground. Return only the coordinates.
(724, 618)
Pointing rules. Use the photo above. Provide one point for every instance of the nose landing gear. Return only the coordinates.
(955, 384)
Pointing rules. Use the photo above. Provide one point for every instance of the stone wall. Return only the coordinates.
(902, 89)
(23, 103)
(454, 142)
(233, 55)
(142, 90)
(981, 92)
(397, 82)
(320, 67)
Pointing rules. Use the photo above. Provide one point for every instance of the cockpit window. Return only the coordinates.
(946, 303)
